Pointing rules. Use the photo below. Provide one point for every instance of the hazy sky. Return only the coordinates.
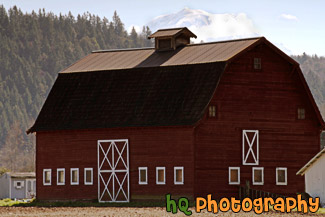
(298, 25)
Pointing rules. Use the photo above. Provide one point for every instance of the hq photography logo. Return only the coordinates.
(258, 205)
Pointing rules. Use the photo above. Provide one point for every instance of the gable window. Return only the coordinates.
(74, 176)
(258, 176)
(234, 175)
(301, 113)
(257, 63)
(160, 176)
(212, 111)
(250, 147)
(178, 175)
(143, 175)
(47, 177)
(88, 176)
(281, 176)
(60, 177)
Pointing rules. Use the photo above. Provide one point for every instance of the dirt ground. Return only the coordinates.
(117, 212)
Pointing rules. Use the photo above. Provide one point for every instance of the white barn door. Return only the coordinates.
(250, 147)
(113, 170)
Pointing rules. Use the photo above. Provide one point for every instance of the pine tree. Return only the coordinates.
(134, 37)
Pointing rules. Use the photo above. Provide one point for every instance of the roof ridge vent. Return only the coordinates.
(170, 39)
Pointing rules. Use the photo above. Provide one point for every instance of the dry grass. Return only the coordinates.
(117, 212)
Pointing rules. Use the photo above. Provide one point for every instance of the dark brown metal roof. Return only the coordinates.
(135, 58)
(172, 33)
(151, 96)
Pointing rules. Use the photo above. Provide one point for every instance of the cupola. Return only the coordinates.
(170, 39)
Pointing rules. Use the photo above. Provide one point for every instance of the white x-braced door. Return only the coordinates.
(113, 170)
(250, 147)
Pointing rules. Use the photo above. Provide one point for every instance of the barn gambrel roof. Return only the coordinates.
(144, 87)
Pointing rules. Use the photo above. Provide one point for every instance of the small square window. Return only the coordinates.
(257, 63)
(60, 176)
(301, 113)
(160, 176)
(234, 175)
(19, 184)
(212, 111)
(178, 175)
(47, 177)
(281, 176)
(258, 176)
(88, 176)
(74, 176)
(143, 175)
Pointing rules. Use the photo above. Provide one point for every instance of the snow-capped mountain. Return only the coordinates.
(207, 26)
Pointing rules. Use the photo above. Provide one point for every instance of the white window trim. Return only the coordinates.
(44, 171)
(21, 184)
(253, 172)
(145, 169)
(285, 176)
(92, 177)
(57, 176)
(238, 171)
(182, 182)
(250, 149)
(157, 169)
(77, 182)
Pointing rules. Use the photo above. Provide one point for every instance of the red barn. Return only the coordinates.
(180, 118)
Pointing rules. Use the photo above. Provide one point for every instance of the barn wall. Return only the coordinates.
(315, 179)
(264, 100)
(149, 147)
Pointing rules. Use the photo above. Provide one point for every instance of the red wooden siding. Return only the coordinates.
(264, 100)
(149, 147)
